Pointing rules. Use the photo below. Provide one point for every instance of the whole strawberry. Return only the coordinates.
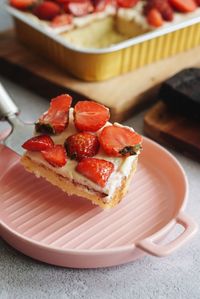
(47, 10)
(154, 18)
(81, 145)
(162, 6)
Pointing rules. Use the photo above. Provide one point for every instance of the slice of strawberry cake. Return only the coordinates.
(80, 152)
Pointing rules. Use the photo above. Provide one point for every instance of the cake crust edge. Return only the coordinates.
(75, 189)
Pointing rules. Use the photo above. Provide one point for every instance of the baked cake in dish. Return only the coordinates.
(81, 152)
(102, 23)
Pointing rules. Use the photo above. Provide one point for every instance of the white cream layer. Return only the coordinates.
(134, 14)
(122, 166)
(83, 21)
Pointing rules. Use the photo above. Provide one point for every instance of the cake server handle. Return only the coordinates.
(8, 109)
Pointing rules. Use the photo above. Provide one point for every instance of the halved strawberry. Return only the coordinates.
(82, 145)
(47, 10)
(56, 156)
(23, 4)
(38, 143)
(55, 120)
(183, 5)
(154, 18)
(96, 170)
(79, 8)
(119, 141)
(90, 116)
(127, 3)
(61, 20)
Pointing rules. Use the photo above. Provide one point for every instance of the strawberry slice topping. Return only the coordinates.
(79, 8)
(154, 18)
(90, 116)
(47, 10)
(82, 145)
(38, 143)
(55, 120)
(120, 141)
(183, 5)
(127, 3)
(56, 156)
(96, 170)
(22, 4)
(62, 20)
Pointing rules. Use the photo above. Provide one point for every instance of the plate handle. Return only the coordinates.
(190, 228)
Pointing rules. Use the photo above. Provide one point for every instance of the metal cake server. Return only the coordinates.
(20, 131)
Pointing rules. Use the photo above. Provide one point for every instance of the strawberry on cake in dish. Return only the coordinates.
(81, 152)
(102, 23)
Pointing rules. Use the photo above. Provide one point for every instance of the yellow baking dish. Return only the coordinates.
(105, 63)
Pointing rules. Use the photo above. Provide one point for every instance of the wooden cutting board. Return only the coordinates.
(124, 95)
(170, 128)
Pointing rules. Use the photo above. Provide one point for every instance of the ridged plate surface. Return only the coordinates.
(42, 216)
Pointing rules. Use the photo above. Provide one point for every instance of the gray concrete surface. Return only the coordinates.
(174, 277)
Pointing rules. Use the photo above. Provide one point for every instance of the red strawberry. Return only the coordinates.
(79, 8)
(168, 14)
(38, 143)
(47, 10)
(158, 4)
(63, 1)
(82, 145)
(61, 20)
(56, 156)
(154, 18)
(119, 141)
(100, 5)
(70, 1)
(90, 116)
(127, 3)
(197, 2)
(22, 4)
(96, 170)
(183, 5)
(55, 120)
(162, 6)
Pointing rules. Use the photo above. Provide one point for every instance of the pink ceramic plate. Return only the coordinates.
(46, 224)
